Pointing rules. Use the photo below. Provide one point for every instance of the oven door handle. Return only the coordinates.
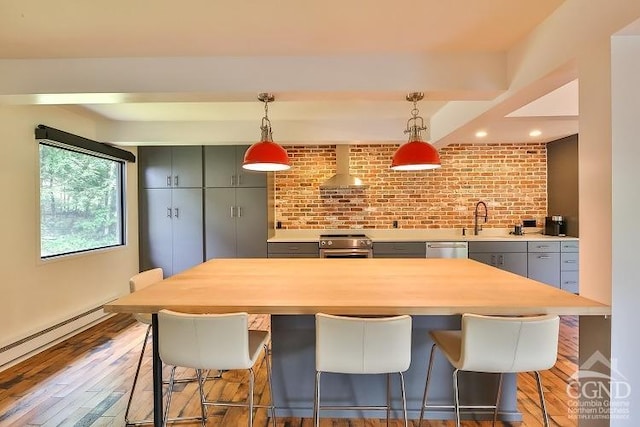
(329, 253)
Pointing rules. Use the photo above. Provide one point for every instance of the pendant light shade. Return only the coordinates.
(266, 155)
(415, 154)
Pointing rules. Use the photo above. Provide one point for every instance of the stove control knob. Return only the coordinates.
(322, 243)
(330, 242)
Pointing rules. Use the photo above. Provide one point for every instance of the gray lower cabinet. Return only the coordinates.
(509, 256)
(399, 249)
(569, 266)
(170, 167)
(223, 168)
(294, 250)
(544, 262)
(170, 229)
(235, 223)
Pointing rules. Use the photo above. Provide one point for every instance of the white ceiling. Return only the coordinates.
(189, 72)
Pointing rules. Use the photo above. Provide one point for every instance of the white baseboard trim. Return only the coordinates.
(20, 350)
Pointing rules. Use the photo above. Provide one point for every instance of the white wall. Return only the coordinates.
(594, 153)
(625, 104)
(35, 294)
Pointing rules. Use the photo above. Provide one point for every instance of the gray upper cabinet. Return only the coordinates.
(170, 209)
(170, 229)
(236, 222)
(235, 205)
(223, 168)
(509, 256)
(170, 167)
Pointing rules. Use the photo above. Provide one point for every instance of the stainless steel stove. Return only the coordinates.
(345, 246)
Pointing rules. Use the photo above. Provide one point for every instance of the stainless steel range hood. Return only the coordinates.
(342, 178)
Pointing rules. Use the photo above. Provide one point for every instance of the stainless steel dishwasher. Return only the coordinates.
(447, 250)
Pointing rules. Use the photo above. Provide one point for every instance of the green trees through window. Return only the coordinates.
(81, 204)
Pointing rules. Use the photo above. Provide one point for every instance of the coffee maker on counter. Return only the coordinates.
(555, 226)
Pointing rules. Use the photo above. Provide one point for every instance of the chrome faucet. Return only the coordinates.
(476, 215)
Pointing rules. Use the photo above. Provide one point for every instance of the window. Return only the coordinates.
(81, 200)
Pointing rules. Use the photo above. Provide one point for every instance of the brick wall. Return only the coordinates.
(510, 178)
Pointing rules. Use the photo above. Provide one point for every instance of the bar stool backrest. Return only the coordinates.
(355, 345)
(204, 341)
(508, 344)
(141, 281)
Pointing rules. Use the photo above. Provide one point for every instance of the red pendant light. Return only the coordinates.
(266, 155)
(415, 154)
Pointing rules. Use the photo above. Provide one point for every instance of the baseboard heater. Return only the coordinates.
(26, 347)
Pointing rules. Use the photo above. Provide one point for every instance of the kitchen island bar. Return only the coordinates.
(434, 291)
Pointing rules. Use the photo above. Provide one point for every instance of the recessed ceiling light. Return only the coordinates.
(481, 134)
(535, 133)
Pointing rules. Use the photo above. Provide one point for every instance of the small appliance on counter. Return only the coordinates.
(555, 226)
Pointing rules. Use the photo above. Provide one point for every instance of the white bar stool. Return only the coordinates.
(354, 345)
(213, 342)
(136, 283)
(499, 345)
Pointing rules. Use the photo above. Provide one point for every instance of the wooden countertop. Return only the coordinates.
(353, 286)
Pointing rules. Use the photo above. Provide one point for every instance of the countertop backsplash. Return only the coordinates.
(510, 178)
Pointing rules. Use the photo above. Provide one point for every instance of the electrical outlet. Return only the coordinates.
(395, 224)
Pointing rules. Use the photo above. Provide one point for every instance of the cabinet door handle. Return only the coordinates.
(240, 179)
(233, 180)
(500, 259)
(570, 261)
(542, 246)
(239, 211)
(175, 180)
(168, 212)
(570, 282)
(493, 260)
(168, 180)
(177, 213)
(233, 211)
(543, 257)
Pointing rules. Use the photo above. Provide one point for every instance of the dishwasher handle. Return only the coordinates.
(447, 250)
(446, 245)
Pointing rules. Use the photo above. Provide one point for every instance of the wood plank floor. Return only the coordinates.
(85, 381)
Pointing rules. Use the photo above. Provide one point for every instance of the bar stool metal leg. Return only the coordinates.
(268, 363)
(388, 398)
(135, 380)
(542, 401)
(166, 410)
(498, 395)
(404, 399)
(316, 401)
(201, 379)
(426, 386)
(457, 396)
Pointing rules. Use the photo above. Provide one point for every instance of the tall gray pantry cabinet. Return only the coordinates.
(235, 206)
(170, 208)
